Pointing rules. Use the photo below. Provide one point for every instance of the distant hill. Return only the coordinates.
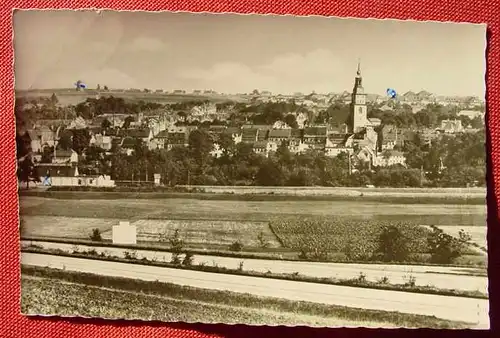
(69, 96)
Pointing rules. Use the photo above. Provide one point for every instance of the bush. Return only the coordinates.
(175, 259)
(236, 246)
(130, 254)
(96, 235)
(393, 245)
(188, 259)
(361, 278)
(444, 249)
(411, 281)
(176, 243)
(384, 280)
(262, 241)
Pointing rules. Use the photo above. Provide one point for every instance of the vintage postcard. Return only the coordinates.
(252, 169)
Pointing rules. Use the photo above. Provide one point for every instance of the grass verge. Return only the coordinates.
(359, 282)
(281, 255)
(79, 299)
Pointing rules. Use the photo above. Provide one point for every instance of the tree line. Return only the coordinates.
(463, 158)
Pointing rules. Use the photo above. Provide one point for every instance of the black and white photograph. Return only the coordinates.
(251, 169)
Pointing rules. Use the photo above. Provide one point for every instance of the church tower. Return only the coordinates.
(358, 115)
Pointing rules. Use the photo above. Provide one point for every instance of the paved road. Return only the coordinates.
(440, 277)
(451, 308)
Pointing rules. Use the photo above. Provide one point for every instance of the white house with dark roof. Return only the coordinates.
(336, 144)
(451, 126)
(279, 135)
(65, 157)
(54, 174)
(389, 158)
(262, 148)
(315, 137)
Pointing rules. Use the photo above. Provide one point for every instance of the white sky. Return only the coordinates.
(238, 53)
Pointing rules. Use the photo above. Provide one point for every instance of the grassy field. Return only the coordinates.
(54, 292)
(285, 195)
(197, 233)
(131, 209)
(216, 224)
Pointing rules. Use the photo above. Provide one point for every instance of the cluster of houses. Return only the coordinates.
(356, 137)
(417, 101)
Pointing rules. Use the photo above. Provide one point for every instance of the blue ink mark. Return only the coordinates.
(80, 85)
(47, 181)
(391, 93)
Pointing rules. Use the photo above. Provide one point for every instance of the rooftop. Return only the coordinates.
(315, 131)
(281, 133)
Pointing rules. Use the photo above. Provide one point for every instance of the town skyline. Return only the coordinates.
(214, 56)
(232, 197)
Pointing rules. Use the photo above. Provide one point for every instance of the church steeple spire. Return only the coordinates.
(357, 80)
(358, 116)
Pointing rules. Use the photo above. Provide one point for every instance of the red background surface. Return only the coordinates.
(12, 324)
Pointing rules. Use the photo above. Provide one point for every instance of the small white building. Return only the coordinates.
(157, 179)
(124, 233)
(451, 126)
(101, 141)
(217, 151)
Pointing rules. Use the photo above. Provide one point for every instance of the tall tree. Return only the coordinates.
(65, 140)
(200, 145)
(105, 124)
(47, 155)
(291, 121)
(126, 123)
(81, 140)
(26, 171)
(54, 100)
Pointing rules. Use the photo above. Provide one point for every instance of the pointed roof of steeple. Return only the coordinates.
(359, 68)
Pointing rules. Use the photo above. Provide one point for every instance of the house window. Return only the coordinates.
(91, 181)
(79, 182)
(360, 110)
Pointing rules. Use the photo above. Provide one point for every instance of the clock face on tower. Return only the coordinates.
(360, 99)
